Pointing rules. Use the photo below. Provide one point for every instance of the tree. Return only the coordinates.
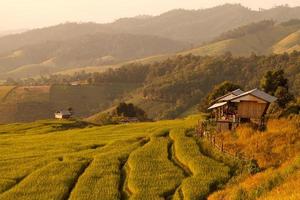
(222, 89)
(272, 80)
(218, 91)
(284, 97)
(275, 83)
(130, 110)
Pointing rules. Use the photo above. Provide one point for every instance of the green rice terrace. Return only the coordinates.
(66, 159)
(76, 160)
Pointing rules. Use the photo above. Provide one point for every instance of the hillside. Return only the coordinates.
(276, 151)
(177, 85)
(185, 25)
(67, 46)
(165, 90)
(261, 38)
(30, 103)
(157, 160)
(100, 51)
(288, 44)
(90, 50)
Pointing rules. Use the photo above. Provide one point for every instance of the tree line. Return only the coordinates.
(184, 81)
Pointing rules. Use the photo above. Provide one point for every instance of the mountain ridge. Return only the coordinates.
(240, 16)
(194, 31)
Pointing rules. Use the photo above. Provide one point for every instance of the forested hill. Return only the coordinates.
(97, 50)
(70, 46)
(89, 50)
(165, 89)
(263, 38)
(174, 86)
(194, 26)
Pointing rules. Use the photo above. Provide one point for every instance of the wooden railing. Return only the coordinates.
(204, 130)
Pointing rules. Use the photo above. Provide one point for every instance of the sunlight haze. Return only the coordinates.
(20, 14)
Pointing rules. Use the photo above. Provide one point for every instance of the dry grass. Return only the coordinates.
(259, 185)
(277, 151)
(289, 190)
(66, 160)
(279, 143)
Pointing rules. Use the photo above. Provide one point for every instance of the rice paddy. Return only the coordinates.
(76, 160)
(60, 160)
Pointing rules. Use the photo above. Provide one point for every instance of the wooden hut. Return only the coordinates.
(239, 106)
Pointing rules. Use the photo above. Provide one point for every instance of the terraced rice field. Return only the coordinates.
(73, 160)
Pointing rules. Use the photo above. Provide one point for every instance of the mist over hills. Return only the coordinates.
(186, 25)
(75, 45)
(88, 50)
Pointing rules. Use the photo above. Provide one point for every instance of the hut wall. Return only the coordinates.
(251, 109)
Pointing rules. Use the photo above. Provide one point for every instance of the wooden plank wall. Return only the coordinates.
(251, 109)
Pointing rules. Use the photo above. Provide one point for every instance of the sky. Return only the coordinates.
(28, 14)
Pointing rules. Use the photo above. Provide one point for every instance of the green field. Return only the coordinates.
(76, 160)
(60, 160)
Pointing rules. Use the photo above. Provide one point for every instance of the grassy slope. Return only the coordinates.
(56, 154)
(76, 160)
(277, 151)
(289, 44)
(285, 38)
(260, 42)
(278, 39)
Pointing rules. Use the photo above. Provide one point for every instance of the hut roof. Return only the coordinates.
(230, 95)
(257, 93)
(217, 105)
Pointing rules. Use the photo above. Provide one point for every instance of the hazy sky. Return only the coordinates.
(19, 14)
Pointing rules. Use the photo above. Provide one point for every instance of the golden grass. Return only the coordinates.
(102, 178)
(206, 173)
(151, 174)
(288, 44)
(156, 160)
(51, 182)
(54, 154)
(289, 190)
(280, 142)
(261, 184)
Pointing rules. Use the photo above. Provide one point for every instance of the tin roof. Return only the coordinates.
(257, 93)
(217, 105)
(230, 95)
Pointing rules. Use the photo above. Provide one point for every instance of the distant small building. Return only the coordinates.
(239, 106)
(63, 114)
